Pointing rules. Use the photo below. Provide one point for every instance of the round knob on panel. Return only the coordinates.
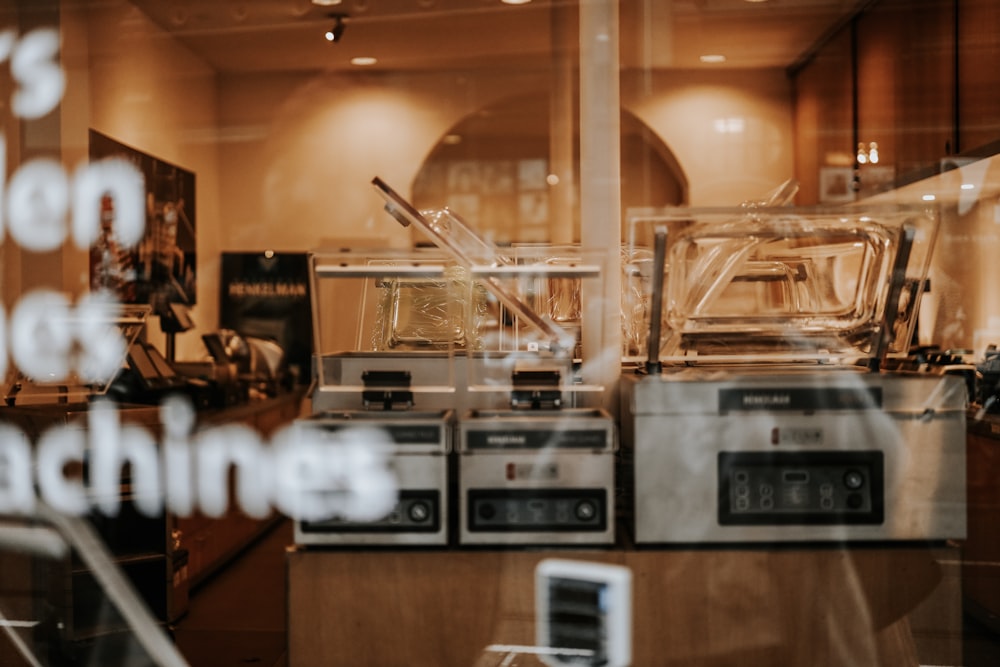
(419, 512)
(853, 479)
(586, 510)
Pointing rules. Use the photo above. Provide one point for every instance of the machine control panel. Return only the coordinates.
(801, 488)
(416, 511)
(550, 510)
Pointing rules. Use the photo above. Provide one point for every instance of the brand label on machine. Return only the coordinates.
(538, 439)
(800, 398)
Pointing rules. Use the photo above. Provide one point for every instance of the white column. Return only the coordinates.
(562, 194)
(600, 192)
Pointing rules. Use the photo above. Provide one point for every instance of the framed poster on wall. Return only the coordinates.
(161, 268)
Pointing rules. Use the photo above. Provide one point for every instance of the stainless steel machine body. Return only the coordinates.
(419, 460)
(536, 477)
(770, 455)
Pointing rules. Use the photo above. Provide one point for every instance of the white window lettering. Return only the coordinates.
(304, 472)
(232, 446)
(37, 204)
(111, 447)
(37, 200)
(124, 182)
(321, 474)
(16, 489)
(100, 346)
(178, 417)
(58, 447)
(40, 340)
(41, 80)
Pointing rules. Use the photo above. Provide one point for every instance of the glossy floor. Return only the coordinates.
(237, 618)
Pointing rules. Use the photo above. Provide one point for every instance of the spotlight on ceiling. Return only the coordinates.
(336, 33)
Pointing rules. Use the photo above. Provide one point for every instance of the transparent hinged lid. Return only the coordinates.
(785, 283)
(532, 296)
(102, 334)
(389, 304)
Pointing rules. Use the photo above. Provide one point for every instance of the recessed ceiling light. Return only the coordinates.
(515, 2)
(968, 186)
(712, 58)
(928, 197)
(363, 61)
(326, 3)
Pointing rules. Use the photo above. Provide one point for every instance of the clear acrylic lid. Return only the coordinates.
(553, 282)
(787, 284)
(453, 236)
(110, 328)
(529, 297)
(389, 304)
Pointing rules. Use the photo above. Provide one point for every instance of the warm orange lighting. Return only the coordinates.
(873, 152)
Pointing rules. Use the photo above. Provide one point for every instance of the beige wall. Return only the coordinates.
(730, 130)
(300, 152)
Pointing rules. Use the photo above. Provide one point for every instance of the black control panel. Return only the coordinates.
(801, 488)
(417, 511)
(551, 510)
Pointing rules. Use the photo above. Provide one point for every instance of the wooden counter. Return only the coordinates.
(210, 542)
(691, 607)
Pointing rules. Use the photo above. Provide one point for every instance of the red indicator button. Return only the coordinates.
(775, 436)
(511, 472)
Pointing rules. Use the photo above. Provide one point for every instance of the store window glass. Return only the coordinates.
(494, 332)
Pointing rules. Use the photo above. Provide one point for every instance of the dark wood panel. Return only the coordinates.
(906, 84)
(978, 73)
(823, 116)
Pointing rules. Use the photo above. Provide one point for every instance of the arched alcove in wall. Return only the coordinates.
(493, 168)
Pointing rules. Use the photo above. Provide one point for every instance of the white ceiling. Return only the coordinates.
(281, 35)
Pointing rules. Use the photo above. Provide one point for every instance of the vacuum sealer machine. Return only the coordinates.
(535, 465)
(385, 324)
(765, 412)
